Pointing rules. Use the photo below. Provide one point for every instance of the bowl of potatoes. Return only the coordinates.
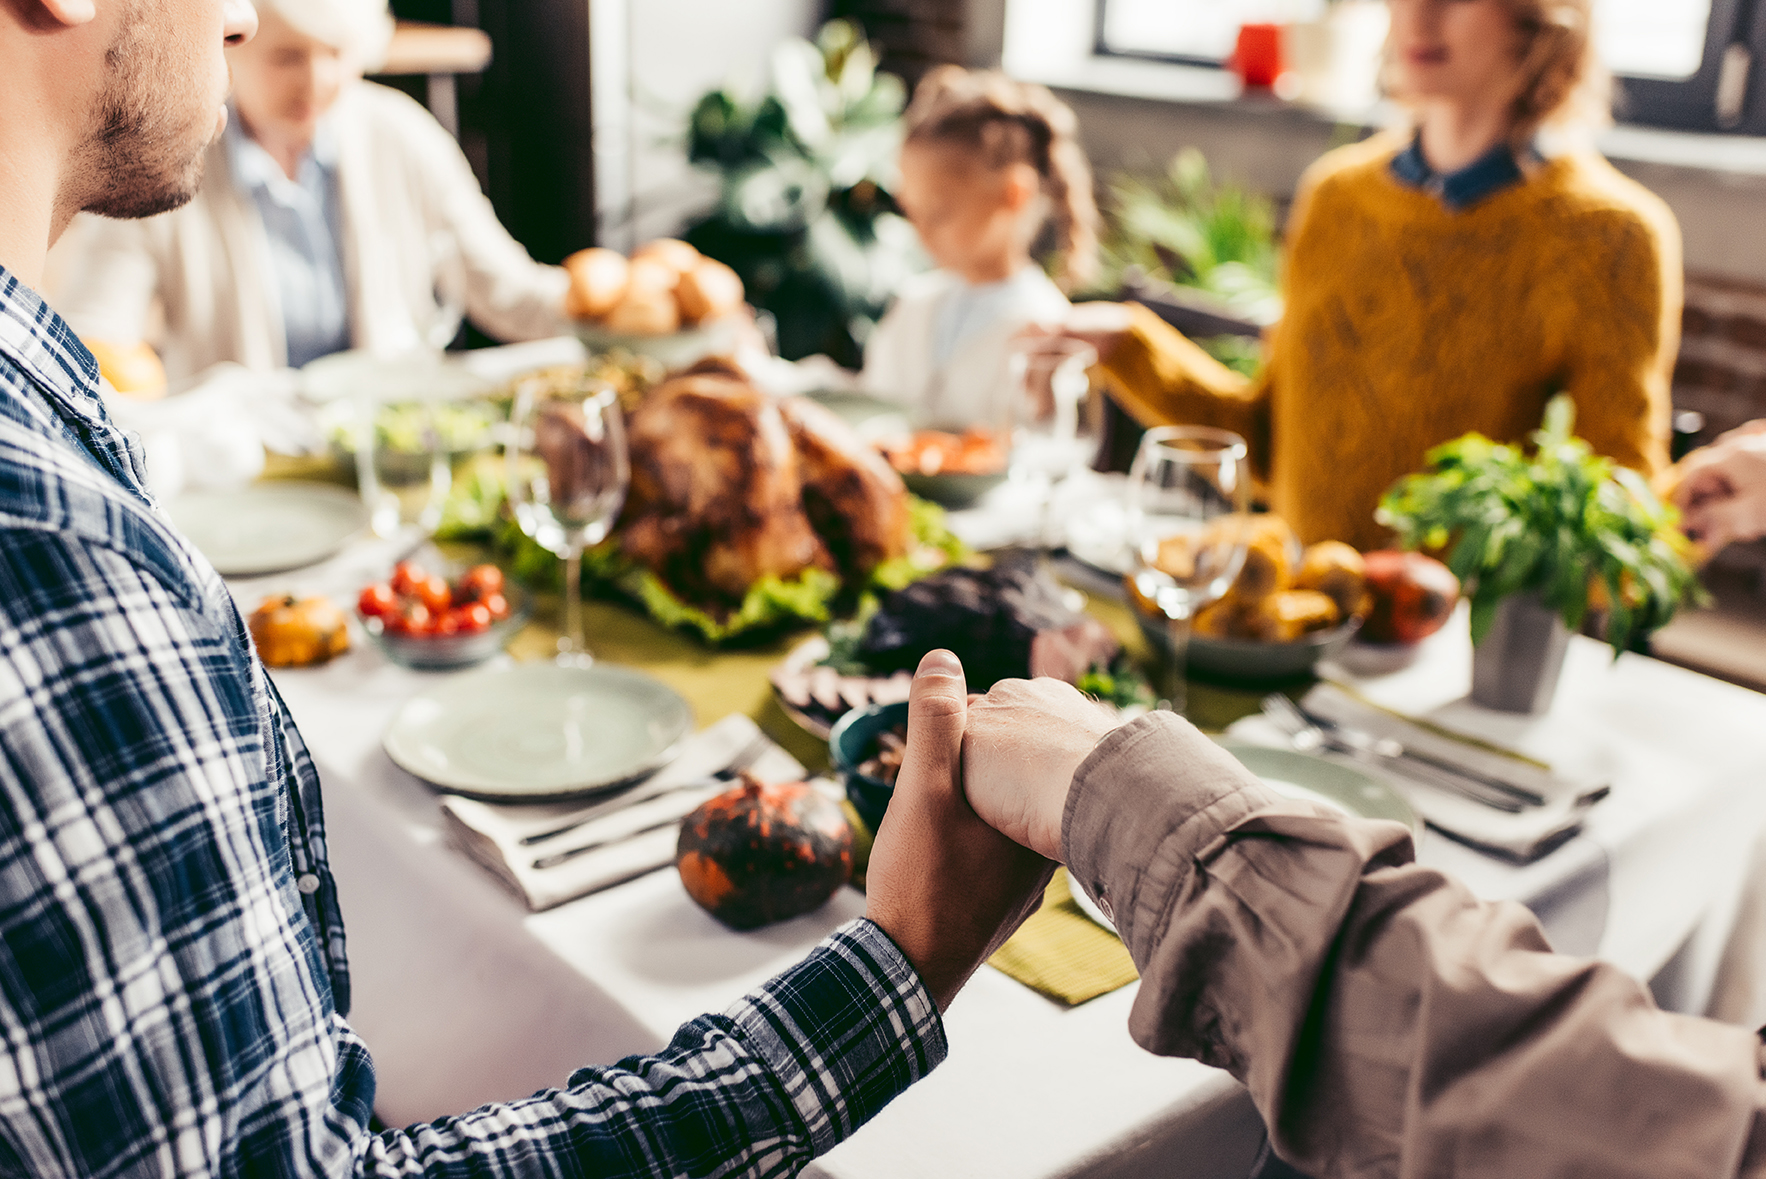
(1290, 608)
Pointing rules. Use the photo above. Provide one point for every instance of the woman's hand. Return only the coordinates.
(947, 888)
(1722, 489)
(1102, 325)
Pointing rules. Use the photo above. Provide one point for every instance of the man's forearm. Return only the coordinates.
(787, 1074)
(1386, 1021)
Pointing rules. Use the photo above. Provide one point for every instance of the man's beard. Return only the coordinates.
(143, 158)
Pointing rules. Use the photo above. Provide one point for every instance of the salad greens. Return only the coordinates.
(807, 599)
(404, 428)
(1561, 522)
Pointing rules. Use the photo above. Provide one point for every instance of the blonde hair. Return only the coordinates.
(1003, 122)
(1564, 82)
(360, 29)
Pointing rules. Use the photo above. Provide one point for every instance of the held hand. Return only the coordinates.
(1722, 489)
(1025, 739)
(947, 888)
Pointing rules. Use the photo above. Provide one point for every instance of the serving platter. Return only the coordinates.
(269, 527)
(539, 731)
(1304, 778)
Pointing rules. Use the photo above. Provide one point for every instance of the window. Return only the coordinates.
(1680, 63)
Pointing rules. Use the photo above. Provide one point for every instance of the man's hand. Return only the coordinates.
(1024, 741)
(1722, 489)
(947, 888)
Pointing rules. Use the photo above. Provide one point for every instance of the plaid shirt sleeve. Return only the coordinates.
(173, 986)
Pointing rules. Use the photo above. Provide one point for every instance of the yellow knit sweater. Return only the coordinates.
(1408, 324)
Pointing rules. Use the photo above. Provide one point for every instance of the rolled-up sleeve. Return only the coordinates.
(1385, 1020)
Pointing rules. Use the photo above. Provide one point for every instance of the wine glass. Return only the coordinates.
(447, 265)
(1050, 422)
(568, 474)
(1186, 481)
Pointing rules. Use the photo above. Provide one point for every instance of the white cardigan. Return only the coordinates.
(973, 386)
(401, 178)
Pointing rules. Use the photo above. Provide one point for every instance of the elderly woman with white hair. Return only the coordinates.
(326, 215)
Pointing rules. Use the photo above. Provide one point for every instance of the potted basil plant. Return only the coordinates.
(1539, 538)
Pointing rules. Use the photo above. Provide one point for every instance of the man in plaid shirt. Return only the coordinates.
(173, 983)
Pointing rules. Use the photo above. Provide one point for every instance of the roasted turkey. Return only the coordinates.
(730, 485)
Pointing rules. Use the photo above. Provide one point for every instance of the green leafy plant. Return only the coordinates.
(1182, 228)
(1560, 522)
(805, 214)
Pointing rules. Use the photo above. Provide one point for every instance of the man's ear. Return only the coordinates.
(71, 13)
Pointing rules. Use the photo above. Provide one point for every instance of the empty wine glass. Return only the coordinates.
(1186, 481)
(1050, 422)
(448, 266)
(568, 474)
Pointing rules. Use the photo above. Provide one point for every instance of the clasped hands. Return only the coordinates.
(974, 828)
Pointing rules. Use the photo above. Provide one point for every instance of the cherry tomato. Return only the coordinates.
(481, 581)
(377, 601)
(496, 605)
(407, 576)
(434, 593)
(447, 623)
(415, 620)
(472, 619)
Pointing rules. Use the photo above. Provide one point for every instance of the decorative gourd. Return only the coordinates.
(1413, 595)
(298, 633)
(757, 854)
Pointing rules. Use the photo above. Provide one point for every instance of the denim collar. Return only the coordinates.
(1485, 176)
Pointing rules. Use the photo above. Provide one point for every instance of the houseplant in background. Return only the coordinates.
(804, 213)
(1538, 539)
(1181, 229)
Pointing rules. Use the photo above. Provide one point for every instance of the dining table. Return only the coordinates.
(464, 996)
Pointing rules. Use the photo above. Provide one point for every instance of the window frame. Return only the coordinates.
(1688, 105)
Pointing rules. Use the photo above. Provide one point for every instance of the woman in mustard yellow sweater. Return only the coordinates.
(1440, 280)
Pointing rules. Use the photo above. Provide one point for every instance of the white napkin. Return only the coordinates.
(1518, 838)
(636, 828)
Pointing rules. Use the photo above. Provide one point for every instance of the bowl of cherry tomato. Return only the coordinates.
(423, 620)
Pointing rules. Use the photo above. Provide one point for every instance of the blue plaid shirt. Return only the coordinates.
(173, 983)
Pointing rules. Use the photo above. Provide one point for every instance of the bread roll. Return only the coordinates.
(645, 313)
(678, 256)
(1337, 571)
(598, 280)
(1292, 615)
(710, 290)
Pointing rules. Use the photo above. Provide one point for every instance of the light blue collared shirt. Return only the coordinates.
(303, 221)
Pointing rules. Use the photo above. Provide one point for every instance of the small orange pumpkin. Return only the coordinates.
(757, 854)
(299, 633)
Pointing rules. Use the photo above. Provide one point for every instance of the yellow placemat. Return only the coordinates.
(1062, 953)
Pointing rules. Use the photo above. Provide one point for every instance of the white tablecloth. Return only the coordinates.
(464, 997)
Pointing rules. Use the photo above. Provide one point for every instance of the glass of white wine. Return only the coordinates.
(568, 476)
(1185, 481)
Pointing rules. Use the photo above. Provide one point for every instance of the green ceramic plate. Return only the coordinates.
(269, 527)
(539, 731)
(1311, 779)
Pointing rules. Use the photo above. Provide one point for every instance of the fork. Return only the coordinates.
(1308, 737)
(744, 759)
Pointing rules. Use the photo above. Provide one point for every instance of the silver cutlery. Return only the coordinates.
(744, 760)
(564, 857)
(1396, 748)
(1307, 736)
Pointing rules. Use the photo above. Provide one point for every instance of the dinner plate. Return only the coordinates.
(539, 731)
(1309, 779)
(269, 527)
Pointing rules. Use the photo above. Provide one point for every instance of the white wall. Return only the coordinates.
(654, 58)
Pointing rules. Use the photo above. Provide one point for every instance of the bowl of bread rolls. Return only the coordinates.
(1290, 607)
(666, 301)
